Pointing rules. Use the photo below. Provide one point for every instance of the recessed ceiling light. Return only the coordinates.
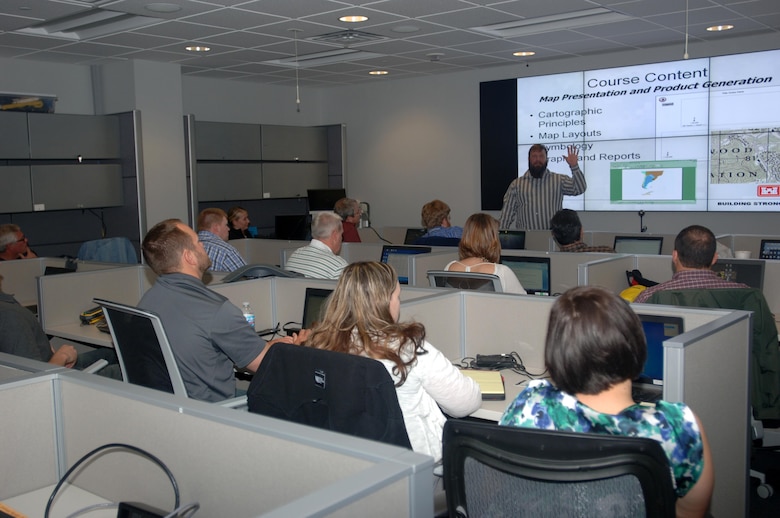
(379, 72)
(405, 28)
(718, 28)
(353, 18)
(523, 53)
(197, 48)
(162, 7)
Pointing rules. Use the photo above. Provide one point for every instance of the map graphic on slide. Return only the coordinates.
(743, 157)
(651, 176)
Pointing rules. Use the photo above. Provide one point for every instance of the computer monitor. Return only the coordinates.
(397, 256)
(638, 244)
(56, 270)
(295, 227)
(324, 199)
(413, 234)
(770, 249)
(746, 271)
(314, 305)
(512, 239)
(532, 272)
(657, 328)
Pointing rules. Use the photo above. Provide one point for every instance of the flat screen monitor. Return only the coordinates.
(413, 234)
(295, 227)
(324, 199)
(638, 244)
(532, 272)
(56, 270)
(314, 305)
(397, 256)
(770, 249)
(746, 271)
(512, 239)
(658, 329)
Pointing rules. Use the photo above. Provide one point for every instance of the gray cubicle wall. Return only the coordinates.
(600, 238)
(20, 277)
(15, 367)
(232, 463)
(563, 265)
(610, 272)
(264, 251)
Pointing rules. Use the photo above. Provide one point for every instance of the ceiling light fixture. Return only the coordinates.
(197, 48)
(353, 18)
(557, 22)
(379, 72)
(404, 29)
(347, 37)
(163, 7)
(323, 58)
(523, 53)
(718, 28)
(89, 24)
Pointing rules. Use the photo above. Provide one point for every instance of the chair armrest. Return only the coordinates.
(96, 366)
(236, 402)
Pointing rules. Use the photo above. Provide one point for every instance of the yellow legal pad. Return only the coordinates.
(490, 382)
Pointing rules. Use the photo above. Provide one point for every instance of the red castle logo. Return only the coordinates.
(769, 190)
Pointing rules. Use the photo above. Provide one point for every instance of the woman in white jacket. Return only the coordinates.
(361, 317)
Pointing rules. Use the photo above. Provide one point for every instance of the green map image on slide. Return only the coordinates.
(740, 157)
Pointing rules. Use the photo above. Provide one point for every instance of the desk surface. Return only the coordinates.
(493, 410)
(84, 334)
(69, 500)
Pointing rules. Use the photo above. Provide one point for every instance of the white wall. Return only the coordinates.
(72, 84)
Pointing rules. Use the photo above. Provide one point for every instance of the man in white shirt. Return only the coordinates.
(319, 259)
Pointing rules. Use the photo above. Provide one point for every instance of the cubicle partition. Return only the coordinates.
(20, 277)
(610, 272)
(436, 260)
(356, 252)
(230, 463)
(385, 235)
(539, 240)
(599, 238)
(264, 251)
(16, 367)
(563, 265)
(63, 298)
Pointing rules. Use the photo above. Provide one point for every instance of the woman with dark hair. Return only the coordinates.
(238, 221)
(594, 348)
(361, 317)
(479, 251)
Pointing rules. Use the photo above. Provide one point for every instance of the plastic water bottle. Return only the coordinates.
(249, 315)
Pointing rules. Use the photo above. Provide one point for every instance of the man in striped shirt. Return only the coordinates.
(533, 199)
(319, 259)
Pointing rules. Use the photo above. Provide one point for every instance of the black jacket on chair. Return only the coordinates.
(335, 391)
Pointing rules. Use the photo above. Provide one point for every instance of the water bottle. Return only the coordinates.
(249, 315)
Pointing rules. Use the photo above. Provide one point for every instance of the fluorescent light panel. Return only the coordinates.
(557, 22)
(89, 24)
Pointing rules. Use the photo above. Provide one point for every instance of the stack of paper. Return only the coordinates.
(491, 383)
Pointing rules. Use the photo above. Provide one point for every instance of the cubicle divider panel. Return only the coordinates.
(258, 292)
(539, 240)
(264, 251)
(502, 324)
(290, 295)
(750, 243)
(712, 371)
(608, 239)
(656, 268)
(443, 315)
(436, 260)
(15, 367)
(356, 252)
(383, 235)
(232, 463)
(609, 273)
(19, 277)
(64, 297)
(28, 457)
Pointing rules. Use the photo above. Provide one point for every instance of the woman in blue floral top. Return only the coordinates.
(595, 346)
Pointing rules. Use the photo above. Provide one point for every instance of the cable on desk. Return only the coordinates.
(93, 507)
(120, 446)
(184, 511)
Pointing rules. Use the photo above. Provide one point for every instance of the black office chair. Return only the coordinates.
(465, 280)
(335, 391)
(256, 271)
(492, 470)
(142, 347)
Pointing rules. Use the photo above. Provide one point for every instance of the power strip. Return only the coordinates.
(494, 361)
(138, 510)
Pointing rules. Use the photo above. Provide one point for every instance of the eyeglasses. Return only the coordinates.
(22, 239)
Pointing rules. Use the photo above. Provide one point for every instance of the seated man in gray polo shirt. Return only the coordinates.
(208, 334)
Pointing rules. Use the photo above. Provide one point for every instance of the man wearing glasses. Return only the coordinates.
(13, 244)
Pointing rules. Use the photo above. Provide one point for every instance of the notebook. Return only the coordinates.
(491, 383)
(648, 387)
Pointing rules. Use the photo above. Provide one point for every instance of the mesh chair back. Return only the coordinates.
(465, 280)
(492, 470)
(335, 391)
(142, 348)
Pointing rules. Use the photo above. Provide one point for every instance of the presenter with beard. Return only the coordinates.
(533, 199)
